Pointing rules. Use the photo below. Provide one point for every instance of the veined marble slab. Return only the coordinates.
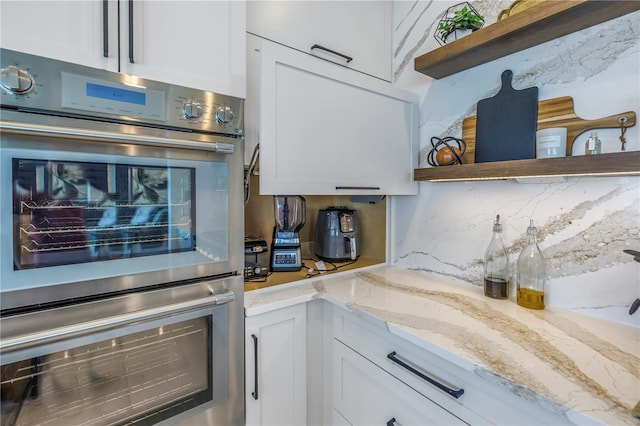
(583, 368)
(583, 223)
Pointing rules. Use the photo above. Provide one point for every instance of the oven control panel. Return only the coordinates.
(49, 85)
(102, 96)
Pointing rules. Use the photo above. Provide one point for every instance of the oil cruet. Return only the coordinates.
(531, 273)
(496, 265)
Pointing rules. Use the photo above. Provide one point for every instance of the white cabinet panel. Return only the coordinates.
(69, 31)
(364, 394)
(326, 130)
(278, 395)
(190, 43)
(197, 44)
(360, 30)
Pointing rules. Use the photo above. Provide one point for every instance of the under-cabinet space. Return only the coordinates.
(259, 222)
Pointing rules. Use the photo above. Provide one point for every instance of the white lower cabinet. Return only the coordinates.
(365, 394)
(316, 363)
(434, 381)
(276, 367)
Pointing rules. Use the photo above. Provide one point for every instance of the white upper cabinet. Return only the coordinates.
(360, 30)
(190, 43)
(71, 31)
(324, 129)
(197, 44)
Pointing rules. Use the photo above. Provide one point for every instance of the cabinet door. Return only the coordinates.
(71, 31)
(360, 30)
(198, 44)
(275, 354)
(364, 394)
(326, 130)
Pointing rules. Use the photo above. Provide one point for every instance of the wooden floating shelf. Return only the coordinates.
(537, 24)
(625, 163)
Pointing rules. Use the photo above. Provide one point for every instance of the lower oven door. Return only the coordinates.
(134, 367)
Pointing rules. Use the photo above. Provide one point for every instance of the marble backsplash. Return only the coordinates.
(583, 223)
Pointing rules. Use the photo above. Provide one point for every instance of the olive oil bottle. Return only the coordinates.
(531, 275)
(496, 265)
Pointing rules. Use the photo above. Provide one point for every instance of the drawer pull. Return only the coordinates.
(456, 393)
(333, 52)
(254, 394)
(392, 422)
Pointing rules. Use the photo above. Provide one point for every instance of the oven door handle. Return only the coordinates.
(13, 344)
(102, 136)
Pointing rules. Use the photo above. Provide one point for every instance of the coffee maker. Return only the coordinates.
(285, 246)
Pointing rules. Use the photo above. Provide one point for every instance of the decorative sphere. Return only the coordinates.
(444, 156)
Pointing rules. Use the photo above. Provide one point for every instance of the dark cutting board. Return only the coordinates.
(506, 124)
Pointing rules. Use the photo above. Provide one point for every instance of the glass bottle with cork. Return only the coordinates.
(496, 265)
(531, 275)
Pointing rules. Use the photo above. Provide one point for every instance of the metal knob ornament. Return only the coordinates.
(16, 81)
(446, 151)
(192, 110)
(224, 115)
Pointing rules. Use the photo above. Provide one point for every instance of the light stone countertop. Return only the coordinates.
(583, 368)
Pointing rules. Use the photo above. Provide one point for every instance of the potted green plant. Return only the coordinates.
(459, 23)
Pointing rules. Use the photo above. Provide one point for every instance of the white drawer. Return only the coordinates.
(365, 394)
(478, 401)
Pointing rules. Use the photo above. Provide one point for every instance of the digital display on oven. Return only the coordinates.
(115, 94)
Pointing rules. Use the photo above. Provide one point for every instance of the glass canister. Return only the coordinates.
(531, 274)
(593, 145)
(496, 265)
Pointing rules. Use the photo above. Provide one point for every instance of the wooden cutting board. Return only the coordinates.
(556, 112)
(506, 124)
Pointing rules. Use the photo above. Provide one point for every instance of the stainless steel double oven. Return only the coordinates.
(121, 249)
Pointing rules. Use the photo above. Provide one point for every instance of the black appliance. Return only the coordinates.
(256, 258)
(337, 234)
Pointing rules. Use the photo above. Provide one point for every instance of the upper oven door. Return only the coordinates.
(89, 208)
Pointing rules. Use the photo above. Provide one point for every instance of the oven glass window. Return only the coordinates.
(68, 212)
(139, 378)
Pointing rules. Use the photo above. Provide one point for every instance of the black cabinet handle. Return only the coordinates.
(367, 188)
(131, 31)
(105, 28)
(392, 422)
(254, 394)
(333, 52)
(456, 393)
